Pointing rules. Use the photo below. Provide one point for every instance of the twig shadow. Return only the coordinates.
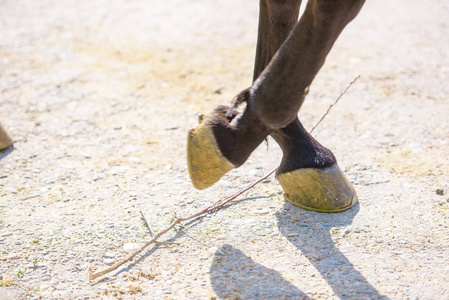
(310, 232)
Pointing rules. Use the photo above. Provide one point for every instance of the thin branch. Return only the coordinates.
(219, 204)
(335, 102)
(132, 255)
(176, 221)
(146, 221)
(215, 206)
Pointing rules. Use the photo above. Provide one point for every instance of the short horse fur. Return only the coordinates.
(289, 55)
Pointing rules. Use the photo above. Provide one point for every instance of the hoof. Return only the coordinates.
(325, 190)
(205, 160)
(5, 139)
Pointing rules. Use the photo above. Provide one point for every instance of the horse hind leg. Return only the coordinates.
(309, 173)
(283, 77)
(225, 138)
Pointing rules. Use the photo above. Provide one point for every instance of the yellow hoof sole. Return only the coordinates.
(326, 190)
(205, 161)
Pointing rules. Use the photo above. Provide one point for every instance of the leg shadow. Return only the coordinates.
(310, 232)
(5, 152)
(235, 275)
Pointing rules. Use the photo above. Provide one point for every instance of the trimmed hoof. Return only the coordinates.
(205, 160)
(325, 190)
(5, 139)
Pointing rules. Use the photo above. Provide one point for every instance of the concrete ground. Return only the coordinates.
(99, 96)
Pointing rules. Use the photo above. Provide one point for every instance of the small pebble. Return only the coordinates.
(218, 89)
(109, 255)
(128, 247)
(255, 172)
(11, 190)
(109, 261)
(224, 183)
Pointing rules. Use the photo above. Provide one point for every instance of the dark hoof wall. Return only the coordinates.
(205, 160)
(325, 190)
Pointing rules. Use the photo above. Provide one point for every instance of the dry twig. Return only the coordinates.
(215, 206)
(145, 219)
(335, 102)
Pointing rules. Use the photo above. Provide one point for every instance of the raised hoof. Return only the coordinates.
(326, 190)
(5, 139)
(206, 163)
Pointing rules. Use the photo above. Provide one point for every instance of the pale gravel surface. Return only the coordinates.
(99, 96)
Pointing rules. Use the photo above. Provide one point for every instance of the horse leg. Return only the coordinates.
(226, 138)
(308, 173)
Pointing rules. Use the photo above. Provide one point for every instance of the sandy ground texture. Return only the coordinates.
(99, 96)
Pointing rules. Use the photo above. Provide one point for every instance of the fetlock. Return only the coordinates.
(309, 173)
(222, 141)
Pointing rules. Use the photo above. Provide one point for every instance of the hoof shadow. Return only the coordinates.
(5, 152)
(310, 232)
(236, 276)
